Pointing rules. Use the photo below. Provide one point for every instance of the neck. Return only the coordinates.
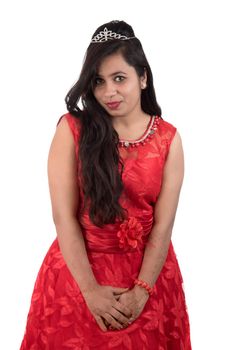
(128, 121)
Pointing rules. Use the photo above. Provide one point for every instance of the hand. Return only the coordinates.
(103, 303)
(135, 299)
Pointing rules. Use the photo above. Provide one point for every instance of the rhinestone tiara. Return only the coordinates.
(106, 34)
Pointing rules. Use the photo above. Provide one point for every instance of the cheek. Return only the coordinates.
(133, 90)
(97, 95)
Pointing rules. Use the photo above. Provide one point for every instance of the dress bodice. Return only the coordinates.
(142, 179)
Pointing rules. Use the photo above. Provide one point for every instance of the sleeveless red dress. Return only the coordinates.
(59, 319)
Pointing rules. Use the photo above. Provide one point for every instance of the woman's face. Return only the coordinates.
(117, 86)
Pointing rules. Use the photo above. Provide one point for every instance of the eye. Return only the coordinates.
(119, 78)
(98, 81)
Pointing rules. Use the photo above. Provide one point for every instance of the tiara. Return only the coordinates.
(106, 34)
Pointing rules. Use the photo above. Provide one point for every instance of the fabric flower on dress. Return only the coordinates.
(130, 233)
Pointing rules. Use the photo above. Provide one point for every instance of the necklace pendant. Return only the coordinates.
(126, 143)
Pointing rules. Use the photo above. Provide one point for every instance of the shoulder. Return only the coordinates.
(69, 121)
(72, 120)
(168, 137)
(165, 128)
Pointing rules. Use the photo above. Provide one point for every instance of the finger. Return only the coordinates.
(123, 309)
(105, 322)
(117, 291)
(126, 315)
(129, 322)
(112, 321)
(101, 323)
(121, 318)
(131, 319)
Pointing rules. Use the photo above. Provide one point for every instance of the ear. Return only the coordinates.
(143, 80)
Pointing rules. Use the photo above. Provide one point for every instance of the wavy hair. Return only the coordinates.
(101, 164)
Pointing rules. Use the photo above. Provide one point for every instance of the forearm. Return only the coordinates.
(155, 254)
(72, 246)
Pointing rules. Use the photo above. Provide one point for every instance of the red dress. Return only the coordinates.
(59, 319)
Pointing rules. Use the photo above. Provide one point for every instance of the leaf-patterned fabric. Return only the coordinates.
(59, 318)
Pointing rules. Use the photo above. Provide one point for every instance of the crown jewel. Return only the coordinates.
(106, 34)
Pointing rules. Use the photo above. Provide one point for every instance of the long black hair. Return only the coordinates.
(101, 164)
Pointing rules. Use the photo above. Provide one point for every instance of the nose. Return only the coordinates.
(110, 90)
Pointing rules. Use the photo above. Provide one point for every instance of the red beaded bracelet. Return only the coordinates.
(144, 285)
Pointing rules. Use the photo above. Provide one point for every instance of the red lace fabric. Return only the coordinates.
(59, 318)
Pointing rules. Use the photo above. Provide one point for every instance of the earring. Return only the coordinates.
(143, 86)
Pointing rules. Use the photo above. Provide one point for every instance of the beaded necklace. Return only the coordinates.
(148, 134)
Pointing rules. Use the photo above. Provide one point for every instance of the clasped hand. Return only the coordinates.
(115, 308)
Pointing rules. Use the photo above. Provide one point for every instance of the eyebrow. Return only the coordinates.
(112, 74)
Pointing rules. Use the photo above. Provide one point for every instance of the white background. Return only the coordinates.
(189, 45)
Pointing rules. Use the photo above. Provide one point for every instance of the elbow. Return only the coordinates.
(161, 236)
(63, 219)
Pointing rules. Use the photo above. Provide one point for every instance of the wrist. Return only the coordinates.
(143, 285)
(141, 292)
(89, 288)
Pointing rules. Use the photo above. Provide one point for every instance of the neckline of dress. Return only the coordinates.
(147, 135)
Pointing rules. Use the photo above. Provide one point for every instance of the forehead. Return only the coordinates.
(114, 63)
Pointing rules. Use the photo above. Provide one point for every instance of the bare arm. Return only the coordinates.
(158, 243)
(64, 193)
(164, 214)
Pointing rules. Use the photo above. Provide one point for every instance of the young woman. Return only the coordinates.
(111, 279)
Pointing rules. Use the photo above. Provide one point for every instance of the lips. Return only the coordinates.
(113, 105)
